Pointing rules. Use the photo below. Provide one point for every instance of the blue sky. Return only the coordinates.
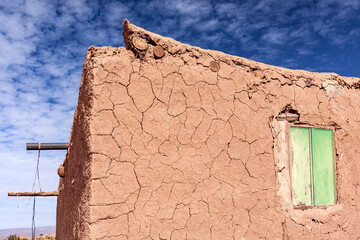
(43, 45)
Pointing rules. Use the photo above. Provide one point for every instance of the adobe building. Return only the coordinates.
(171, 141)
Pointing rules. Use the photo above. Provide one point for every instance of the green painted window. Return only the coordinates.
(312, 166)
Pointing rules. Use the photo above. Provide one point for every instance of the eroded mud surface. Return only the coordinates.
(171, 148)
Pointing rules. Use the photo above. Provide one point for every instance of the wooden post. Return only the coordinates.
(47, 146)
(27, 194)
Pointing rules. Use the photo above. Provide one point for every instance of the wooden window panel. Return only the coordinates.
(300, 166)
(323, 167)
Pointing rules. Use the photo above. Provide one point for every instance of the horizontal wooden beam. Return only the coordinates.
(47, 146)
(27, 194)
(290, 117)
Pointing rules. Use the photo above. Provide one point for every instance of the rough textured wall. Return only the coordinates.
(182, 148)
(72, 215)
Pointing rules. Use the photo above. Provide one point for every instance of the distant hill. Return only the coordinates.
(4, 233)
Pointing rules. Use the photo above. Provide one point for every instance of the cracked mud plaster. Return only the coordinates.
(169, 149)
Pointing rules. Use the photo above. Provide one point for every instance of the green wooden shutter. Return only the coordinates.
(323, 167)
(300, 165)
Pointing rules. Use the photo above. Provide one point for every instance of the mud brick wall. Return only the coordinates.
(194, 145)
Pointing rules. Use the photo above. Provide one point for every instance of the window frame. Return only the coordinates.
(304, 207)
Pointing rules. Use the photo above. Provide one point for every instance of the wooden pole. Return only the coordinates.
(47, 146)
(27, 194)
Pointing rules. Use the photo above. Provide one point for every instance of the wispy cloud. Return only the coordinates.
(276, 36)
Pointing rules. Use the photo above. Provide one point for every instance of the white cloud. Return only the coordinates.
(37, 9)
(115, 12)
(192, 8)
(228, 10)
(276, 36)
(208, 25)
(82, 10)
(304, 51)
